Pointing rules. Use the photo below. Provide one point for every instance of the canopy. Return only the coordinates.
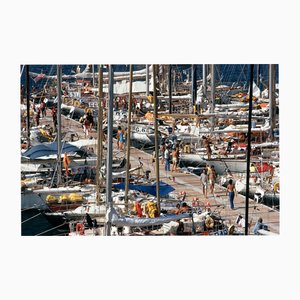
(46, 149)
(164, 188)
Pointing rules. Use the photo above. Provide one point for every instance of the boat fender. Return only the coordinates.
(209, 222)
(76, 103)
(276, 187)
(80, 228)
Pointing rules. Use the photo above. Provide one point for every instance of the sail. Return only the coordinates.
(255, 90)
(139, 222)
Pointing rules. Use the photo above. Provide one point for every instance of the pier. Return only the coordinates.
(187, 182)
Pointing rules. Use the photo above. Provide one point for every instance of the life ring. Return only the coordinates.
(276, 187)
(80, 228)
(76, 103)
(209, 222)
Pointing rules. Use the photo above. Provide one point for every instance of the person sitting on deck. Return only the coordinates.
(184, 208)
(176, 210)
(259, 225)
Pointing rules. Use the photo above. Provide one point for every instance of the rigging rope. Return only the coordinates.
(51, 229)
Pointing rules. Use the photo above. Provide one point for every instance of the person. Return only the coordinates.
(272, 169)
(204, 181)
(176, 210)
(184, 208)
(86, 126)
(167, 159)
(118, 136)
(54, 117)
(43, 108)
(174, 159)
(37, 117)
(90, 118)
(138, 209)
(259, 225)
(197, 119)
(212, 176)
(162, 149)
(121, 139)
(229, 146)
(177, 155)
(89, 221)
(231, 192)
(206, 142)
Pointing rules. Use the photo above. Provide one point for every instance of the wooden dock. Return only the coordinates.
(190, 183)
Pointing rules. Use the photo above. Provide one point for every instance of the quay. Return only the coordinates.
(187, 182)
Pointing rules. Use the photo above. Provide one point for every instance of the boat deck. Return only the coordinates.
(190, 183)
(218, 202)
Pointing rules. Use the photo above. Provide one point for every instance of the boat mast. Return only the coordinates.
(109, 149)
(170, 87)
(59, 125)
(128, 140)
(99, 134)
(213, 88)
(28, 106)
(194, 86)
(147, 80)
(204, 81)
(249, 148)
(156, 138)
(272, 102)
(93, 70)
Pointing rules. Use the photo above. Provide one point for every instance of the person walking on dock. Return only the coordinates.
(204, 182)
(167, 160)
(231, 192)
(212, 176)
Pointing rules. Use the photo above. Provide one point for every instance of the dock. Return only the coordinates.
(189, 183)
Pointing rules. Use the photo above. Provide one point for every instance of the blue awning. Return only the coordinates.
(164, 188)
(46, 149)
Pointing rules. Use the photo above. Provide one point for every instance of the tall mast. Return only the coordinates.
(28, 106)
(147, 80)
(272, 103)
(194, 86)
(156, 138)
(59, 125)
(93, 70)
(213, 96)
(204, 80)
(109, 147)
(170, 87)
(99, 134)
(128, 140)
(249, 148)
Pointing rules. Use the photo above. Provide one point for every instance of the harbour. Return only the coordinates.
(73, 196)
